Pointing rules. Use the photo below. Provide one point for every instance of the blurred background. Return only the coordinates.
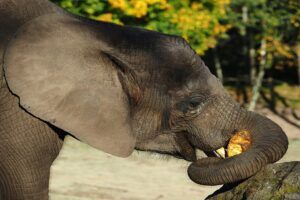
(252, 46)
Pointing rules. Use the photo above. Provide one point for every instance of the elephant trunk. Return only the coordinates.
(269, 144)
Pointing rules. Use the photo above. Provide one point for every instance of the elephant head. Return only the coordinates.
(118, 88)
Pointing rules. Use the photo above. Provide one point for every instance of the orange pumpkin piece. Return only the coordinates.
(239, 142)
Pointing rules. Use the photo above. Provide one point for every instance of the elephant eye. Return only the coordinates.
(193, 104)
(195, 107)
(188, 106)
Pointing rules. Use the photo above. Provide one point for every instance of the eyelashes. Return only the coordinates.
(191, 106)
(198, 108)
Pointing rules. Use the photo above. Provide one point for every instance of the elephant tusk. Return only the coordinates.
(220, 153)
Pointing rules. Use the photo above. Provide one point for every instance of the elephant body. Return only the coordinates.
(28, 146)
(117, 89)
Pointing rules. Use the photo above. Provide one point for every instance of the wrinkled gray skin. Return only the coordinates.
(117, 89)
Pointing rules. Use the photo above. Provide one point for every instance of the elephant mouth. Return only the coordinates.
(238, 143)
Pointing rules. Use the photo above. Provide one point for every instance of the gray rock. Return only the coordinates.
(275, 181)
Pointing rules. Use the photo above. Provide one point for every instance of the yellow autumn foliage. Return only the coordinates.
(197, 22)
(107, 17)
(275, 46)
(138, 8)
(119, 4)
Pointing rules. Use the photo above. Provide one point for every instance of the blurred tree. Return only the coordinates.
(268, 28)
(199, 22)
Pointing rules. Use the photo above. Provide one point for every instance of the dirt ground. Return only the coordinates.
(84, 173)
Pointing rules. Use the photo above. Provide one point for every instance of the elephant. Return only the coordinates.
(118, 89)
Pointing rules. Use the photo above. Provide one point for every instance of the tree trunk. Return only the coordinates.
(252, 61)
(244, 31)
(298, 61)
(244, 18)
(259, 79)
(218, 66)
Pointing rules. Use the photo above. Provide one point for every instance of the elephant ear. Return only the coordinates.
(55, 65)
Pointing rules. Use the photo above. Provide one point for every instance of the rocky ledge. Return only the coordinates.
(279, 181)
